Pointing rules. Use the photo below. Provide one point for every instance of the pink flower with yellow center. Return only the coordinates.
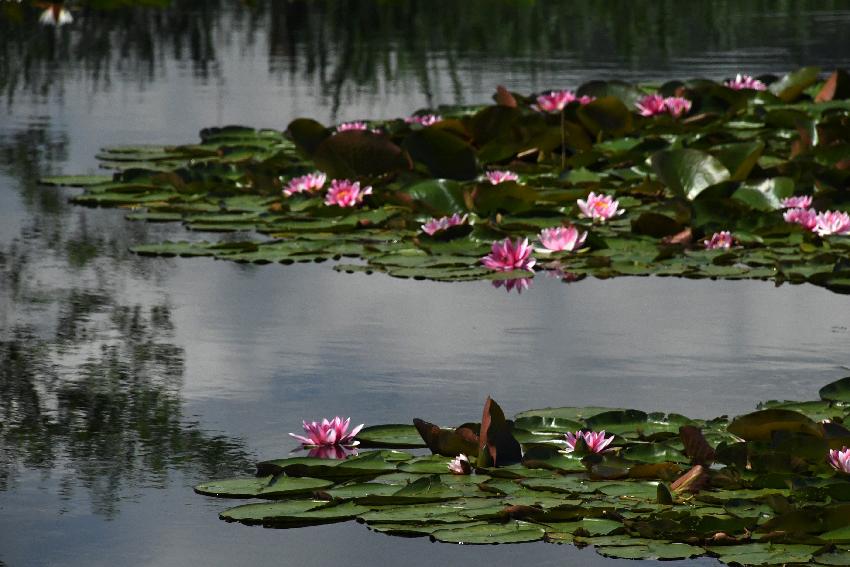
(797, 202)
(596, 442)
(677, 105)
(651, 105)
(518, 284)
(423, 119)
(599, 207)
(327, 433)
(718, 240)
(501, 176)
(345, 193)
(745, 82)
(460, 465)
(346, 126)
(507, 256)
(305, 184)
(561, 239)
(436, 225)
(832, 222)
(807, 218)
(840, 460)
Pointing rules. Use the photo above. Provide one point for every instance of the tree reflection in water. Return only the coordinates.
(90, 386)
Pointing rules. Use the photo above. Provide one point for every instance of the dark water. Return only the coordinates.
(126, 380)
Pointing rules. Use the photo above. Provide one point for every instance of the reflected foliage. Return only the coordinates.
(349, 48)
(89, 384)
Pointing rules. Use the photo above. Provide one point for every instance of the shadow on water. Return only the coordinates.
(89, 386)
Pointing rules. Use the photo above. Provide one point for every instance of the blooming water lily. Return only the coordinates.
(807, 218)
(745, 82)
(556, 101)
(423, 119)
(596, 442)
(718, 240)
(599, 207)
(346, 126)
(328, 433)
(797, 202)
(345, 193)
(305, 184)
(507, 256)
(840, 460)
(437, 224)
(562, 239)
(460, 465)
(496, 177)
(655, 104)
(832, 222)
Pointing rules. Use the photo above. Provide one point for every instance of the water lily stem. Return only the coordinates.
(563, 142)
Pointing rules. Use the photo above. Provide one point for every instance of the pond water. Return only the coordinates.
(124, 380)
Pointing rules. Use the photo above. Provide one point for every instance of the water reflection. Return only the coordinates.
(90, 386)
(439, 48)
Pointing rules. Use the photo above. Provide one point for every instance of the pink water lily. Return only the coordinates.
(745, 82)
(501, 176)
(346, 126)
(345, 193)
(507, 256)
(599, 207)
(677, 105)
(596, 442)
(832, 222)
(655, 104)
(333, 432)
(423, 119)
(797, 202)
(518, 284)
(305, 184)
(562, 239)
(437, 224)
(460, 465)
(556, 101)
(719, 240)
(807, 218)
(652, 104)
(840, 460)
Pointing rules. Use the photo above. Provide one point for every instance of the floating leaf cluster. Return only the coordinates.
(725, 164)
(756, 490)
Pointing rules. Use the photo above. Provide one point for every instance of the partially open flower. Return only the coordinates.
(797, 202)
(562, 239)
(718, 240)
(554, 101)
(840, 460)
(651, 105)
(596, 442)
(745, 82)
(677, 105)
(423, 119)
(346, 126)
(437, 224)
(305, 184)
(807, 218)
(460, 465)
(507, 256)
(496, 177)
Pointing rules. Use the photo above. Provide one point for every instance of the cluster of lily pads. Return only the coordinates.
(767, 488)
(746, 178)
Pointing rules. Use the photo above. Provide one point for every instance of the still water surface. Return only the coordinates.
(124, 380)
